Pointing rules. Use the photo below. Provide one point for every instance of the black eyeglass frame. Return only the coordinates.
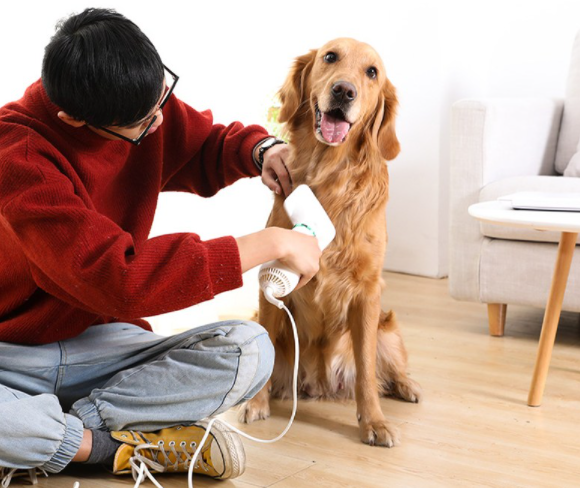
(138, 140)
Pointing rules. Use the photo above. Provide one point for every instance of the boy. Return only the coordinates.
(83, 157)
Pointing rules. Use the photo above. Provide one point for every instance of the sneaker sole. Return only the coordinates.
(231, 447)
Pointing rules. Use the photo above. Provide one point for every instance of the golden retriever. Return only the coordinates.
(339, 108)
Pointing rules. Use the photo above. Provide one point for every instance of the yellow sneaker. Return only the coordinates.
(171, 450)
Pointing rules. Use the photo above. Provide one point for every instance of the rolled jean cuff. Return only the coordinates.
(86, 410)
(73, 435)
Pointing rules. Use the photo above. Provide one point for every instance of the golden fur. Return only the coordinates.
(349, 347)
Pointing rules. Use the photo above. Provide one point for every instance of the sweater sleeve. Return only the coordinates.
(202, 157)
(85, 259)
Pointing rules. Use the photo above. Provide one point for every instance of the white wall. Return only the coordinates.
(232, 57)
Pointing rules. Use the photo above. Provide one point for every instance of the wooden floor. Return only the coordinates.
(472, 429)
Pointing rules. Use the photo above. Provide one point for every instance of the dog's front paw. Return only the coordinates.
(255, 409)
(378, 433)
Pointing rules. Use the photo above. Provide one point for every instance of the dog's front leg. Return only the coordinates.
(363, 320)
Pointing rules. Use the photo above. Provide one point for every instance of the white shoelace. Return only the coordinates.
(157, 451)
(6, 475)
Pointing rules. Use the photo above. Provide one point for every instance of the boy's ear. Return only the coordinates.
(67, 119)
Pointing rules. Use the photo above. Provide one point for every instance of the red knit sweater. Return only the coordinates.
(76, 210)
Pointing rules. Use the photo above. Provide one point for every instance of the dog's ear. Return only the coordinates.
(293, 92)
(384, 125)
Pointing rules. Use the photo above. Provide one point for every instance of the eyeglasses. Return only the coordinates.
(153, 117)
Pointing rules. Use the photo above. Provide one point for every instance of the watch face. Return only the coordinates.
(268, 143)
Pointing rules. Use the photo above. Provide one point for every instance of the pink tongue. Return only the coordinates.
(333, 130)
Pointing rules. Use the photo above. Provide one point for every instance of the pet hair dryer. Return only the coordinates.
(308, 217)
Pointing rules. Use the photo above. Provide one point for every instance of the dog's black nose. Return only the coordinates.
(344, 92)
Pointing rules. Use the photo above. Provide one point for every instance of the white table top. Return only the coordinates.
(501, 212)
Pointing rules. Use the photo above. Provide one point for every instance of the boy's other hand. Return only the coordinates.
(275, 174)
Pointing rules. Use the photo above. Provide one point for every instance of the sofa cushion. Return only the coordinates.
(500, 188)
(570, 129)
(521, 272)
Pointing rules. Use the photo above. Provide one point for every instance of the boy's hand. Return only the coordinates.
(275, 174)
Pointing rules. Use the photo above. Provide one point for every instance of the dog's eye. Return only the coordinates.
(372, 72)
(330, 58)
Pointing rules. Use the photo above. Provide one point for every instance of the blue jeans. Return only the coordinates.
(119, 376)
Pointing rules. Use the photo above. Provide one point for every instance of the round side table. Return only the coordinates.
(568, 223)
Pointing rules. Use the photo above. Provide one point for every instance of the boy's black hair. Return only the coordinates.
(100, 68)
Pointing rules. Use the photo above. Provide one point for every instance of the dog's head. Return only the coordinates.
(343, 88)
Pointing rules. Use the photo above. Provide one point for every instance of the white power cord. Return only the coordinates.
(143, 470)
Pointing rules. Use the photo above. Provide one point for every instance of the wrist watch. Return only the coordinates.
(265, 144)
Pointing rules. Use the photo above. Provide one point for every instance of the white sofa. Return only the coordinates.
(498, 147)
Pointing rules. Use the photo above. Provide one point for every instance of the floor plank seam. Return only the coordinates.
(291, 475)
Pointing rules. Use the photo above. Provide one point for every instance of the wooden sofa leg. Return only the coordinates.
(496, 313)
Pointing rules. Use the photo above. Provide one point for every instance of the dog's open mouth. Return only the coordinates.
(332, 126)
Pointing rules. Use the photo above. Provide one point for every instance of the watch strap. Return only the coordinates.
(264, 145)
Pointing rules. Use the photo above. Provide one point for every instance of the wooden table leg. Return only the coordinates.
(552, 316)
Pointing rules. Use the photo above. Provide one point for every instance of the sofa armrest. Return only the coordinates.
(492, 139)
